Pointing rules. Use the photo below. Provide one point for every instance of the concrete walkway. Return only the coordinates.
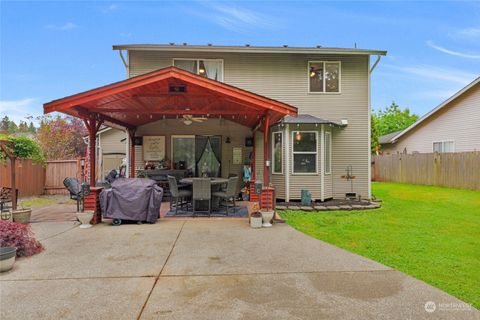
(200, 269)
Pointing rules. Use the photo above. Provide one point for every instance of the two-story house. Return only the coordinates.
(298, 116)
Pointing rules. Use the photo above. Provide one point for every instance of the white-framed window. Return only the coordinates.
(277, 152)
(328, 152)
(324, 76)
(183, 150)
(443, 146)
(304, 150)
(208, 68)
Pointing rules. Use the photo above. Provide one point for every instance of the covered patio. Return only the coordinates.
(177, 104)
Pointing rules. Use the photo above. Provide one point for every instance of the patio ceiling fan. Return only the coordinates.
(188, 119)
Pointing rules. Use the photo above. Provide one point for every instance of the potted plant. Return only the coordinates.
(255, 217)
(16, 240)
(85, 217)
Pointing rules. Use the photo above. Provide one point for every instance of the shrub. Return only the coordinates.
(23, 148)
(19, 235)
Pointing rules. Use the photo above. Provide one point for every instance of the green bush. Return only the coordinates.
(23, 148)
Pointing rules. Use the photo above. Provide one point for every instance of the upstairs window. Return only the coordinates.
(208, 68)
(444, 146)
(324, 77)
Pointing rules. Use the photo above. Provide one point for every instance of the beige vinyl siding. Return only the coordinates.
(459, 121)
(284, 77)
(259, 155)
(111, 141)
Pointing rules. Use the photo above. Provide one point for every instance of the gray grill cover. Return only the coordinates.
(134, 199)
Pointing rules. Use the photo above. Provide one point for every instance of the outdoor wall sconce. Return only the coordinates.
(227, 140)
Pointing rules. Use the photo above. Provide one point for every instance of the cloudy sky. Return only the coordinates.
(53, 49)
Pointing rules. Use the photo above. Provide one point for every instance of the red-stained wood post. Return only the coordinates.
(266, 125)
(93, 125)
(131, 133)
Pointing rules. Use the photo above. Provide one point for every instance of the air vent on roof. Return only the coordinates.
(247, 45)
(209, 44)
(285, 45)
(184, 43)
(172, 43)
(319, 46)
(177, 88)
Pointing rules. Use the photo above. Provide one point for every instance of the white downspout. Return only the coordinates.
(287, 163)
(322, 163)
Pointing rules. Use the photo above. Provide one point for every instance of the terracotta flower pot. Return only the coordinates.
(22, 215)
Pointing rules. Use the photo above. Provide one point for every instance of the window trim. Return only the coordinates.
(198, 65)
(339, 77)
(273, 153)
(442, 142)
(329, 171)
(305, 152)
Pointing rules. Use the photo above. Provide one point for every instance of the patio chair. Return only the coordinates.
(202, 191)
(6, 196)
(75, 188)
(177, 195)
(229, 194)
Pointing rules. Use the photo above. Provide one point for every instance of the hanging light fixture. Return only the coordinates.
(312, 72)
(298, 136)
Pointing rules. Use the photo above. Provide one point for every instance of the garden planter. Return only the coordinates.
(256, 220)
(22, 215)
(85, 218)
(267, 217)
(7, 258)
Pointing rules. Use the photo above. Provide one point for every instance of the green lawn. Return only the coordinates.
(430, 233)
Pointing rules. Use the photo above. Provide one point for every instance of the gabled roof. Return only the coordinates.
(438, 108)
(169, 93)
(248, 49)
(307, 119)
(388, 137)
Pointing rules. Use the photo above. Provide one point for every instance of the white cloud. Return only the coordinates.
(452, 52)
(64, 27)
(429, 73)
(18, 110)
(472, 33)
(235, 18)
(112, 7)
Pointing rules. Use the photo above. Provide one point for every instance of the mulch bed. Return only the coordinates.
(329, 205)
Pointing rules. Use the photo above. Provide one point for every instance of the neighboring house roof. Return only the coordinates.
(307, 119)
(387, 138)
(438, 108)
(247, 49)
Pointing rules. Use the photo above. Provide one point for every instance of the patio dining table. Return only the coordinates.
(214, 181)
(216, 185)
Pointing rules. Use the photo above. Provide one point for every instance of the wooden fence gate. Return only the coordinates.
(455, 170)
(29, 177)
(57, 171)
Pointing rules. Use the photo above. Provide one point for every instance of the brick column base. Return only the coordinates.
(92, 203)
(267, 198)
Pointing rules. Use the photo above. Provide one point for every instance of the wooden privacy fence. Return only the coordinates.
(29, 177)
(57, 171)
(455, 170)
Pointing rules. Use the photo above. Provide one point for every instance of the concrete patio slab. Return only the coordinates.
(102, 251)
(208, 269)
(114, 298)
(329, 295)
(46, 230)
(232, 247)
